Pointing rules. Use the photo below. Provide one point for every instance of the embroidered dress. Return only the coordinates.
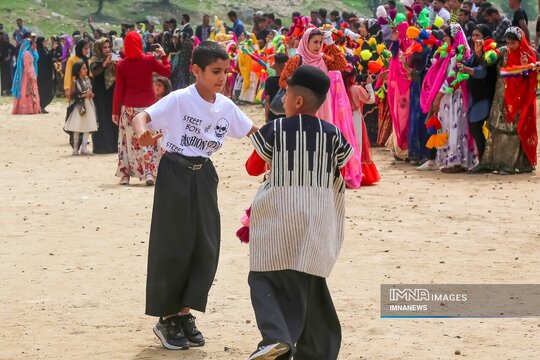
(297, 214)
(134, 160)
(27, 101)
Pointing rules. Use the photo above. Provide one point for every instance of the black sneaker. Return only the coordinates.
(170, 334)
(270, 352)
(191, 332)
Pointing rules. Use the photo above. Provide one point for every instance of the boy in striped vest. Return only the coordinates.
(296, 228)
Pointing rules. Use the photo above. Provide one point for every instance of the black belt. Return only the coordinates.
(192, 163)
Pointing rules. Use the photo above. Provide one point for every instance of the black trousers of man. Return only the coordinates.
(184, 236)
(296, 308)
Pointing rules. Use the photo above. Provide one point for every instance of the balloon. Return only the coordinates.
(400, 17)
(439, 22)
(366, 55)
(413, 32)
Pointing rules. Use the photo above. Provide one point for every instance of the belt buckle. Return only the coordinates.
(196, 167)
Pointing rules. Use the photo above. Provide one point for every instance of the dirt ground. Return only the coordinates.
(74, 245)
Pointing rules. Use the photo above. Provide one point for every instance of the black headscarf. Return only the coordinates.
(483, 88)
(484, 30)
(79, 51)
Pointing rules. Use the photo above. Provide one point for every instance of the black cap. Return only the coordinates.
(311, 78)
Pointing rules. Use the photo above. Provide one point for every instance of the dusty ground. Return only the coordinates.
(74, 244)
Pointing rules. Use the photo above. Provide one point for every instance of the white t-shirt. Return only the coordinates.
(194, 127)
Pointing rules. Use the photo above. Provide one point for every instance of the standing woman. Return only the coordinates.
(309, 52)
(82, 49)
(450, 105)
(7, 52)
(133, 93)
(481, 87)
(512, 142)
(25, 87)
(103, 70)
(182, 76)
(47, 75)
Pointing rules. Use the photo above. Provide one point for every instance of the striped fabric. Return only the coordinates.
(297, 215)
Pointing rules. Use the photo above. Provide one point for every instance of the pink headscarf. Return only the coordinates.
(438, 73)
(309, 58)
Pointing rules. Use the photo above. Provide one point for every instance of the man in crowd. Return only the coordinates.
(520, 17)
(437, 9)
(203, 31)
(186, 26)
(18, 35)
(498, 22)
(238, 26)
(455, 6)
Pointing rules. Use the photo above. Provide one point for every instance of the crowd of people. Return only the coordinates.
(446, 85)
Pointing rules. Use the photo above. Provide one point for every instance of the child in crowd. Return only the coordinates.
(162, 87)
(358, 96)
(81, 113)
(185, 232)
(297, 225)
(271, 87)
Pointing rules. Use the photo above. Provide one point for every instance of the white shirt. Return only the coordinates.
(194, 127)
(443, 13)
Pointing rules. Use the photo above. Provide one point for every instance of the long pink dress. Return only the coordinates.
(343, 120)
(28, 103)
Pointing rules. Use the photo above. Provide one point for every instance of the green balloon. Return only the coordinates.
(423, 21)
(400, 17)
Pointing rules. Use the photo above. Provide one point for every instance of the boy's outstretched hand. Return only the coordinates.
(148, 139)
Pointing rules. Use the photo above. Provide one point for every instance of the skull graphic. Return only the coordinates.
(221, 128)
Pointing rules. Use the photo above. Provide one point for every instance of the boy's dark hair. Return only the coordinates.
(207, 53)
(76, 69)
(270, 16)
(281, 58)
(186, 17)
(465, 12)
(492, 11)
(232, 13)
(296, 14)
(323, 13)
(313, 82)
(334, 13)
(278, 22)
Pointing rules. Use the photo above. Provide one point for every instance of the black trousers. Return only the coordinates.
(296, 308)
(184, 236)
(477, 132)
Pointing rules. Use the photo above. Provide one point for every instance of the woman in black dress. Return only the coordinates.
(103, 69)
(46, 75)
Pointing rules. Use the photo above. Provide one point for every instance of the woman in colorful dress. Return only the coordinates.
(182, 76)
(25, 86)
(133, 93)
(449, 103)
(513, 139)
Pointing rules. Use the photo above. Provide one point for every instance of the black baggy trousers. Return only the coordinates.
(296, 308)
(184, 236)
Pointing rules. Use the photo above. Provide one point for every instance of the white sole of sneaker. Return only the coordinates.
(165, 343)
(271, 352)
(192, 344)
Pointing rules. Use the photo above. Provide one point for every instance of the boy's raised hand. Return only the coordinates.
(148, 139)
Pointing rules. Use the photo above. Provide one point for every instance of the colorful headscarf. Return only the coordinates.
(26, 46)
(309, 58)
(66, 49)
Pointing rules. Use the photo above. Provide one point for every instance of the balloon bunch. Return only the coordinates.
(416, 13)
(390, 18)
(454, 79)
(375, 55)
(491, 53)
(438, 138)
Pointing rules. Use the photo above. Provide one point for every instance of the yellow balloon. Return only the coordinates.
(439, 22)
(366, 55)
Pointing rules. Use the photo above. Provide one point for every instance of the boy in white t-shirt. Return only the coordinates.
(185, 232)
